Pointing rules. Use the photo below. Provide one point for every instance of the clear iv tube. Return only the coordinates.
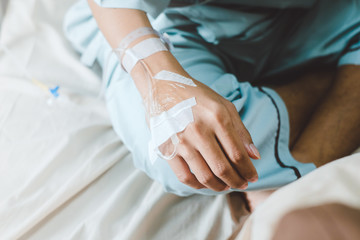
(153, 108)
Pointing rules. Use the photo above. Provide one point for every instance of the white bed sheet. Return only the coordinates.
(64, 174)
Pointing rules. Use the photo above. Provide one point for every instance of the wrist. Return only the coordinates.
(143, 56)
(157, 62)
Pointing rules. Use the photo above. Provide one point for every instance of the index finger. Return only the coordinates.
(234, 149)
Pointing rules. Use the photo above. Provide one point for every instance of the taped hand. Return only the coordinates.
(214, 148)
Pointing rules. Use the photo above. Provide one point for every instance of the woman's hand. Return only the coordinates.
(213, 151)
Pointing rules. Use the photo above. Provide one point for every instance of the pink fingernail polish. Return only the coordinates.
(255, 151)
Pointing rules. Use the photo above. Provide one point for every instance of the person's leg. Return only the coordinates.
(324, 113)
(302, 96)
(334, 129)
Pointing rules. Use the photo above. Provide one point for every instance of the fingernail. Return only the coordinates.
(254, 150)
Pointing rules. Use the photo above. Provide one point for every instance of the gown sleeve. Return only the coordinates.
(152, 7)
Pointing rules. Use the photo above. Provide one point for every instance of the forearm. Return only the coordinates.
(333, 130)
(117, 23)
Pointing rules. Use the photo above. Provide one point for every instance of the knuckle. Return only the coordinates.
(249, 174)
(219, 117)
(239, 184)
(197, 128)
(185, 178)
(237, 156)
(220, 188)
(206, 179)
(186, 154)
(184, 151)
(217, 111)
(197, 187)
(206, 146)
(222, 119)
(221, 171)
(214, 106)
(181, 138)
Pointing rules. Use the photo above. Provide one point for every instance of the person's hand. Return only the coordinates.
(213, 151)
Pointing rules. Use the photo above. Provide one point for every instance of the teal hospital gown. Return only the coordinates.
(228, 45)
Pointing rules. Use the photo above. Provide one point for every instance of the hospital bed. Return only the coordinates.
(64, 173)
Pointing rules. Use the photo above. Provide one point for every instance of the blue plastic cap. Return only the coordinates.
(54, 91)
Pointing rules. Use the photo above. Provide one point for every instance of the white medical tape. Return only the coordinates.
(174, 120)
(166, 125)
(170, 76)
(138, 33)
(140, 51)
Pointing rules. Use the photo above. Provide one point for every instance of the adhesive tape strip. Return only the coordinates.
(138, 33)
(140, 51)
(166, 125)
(174, 120)
(170, 76)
